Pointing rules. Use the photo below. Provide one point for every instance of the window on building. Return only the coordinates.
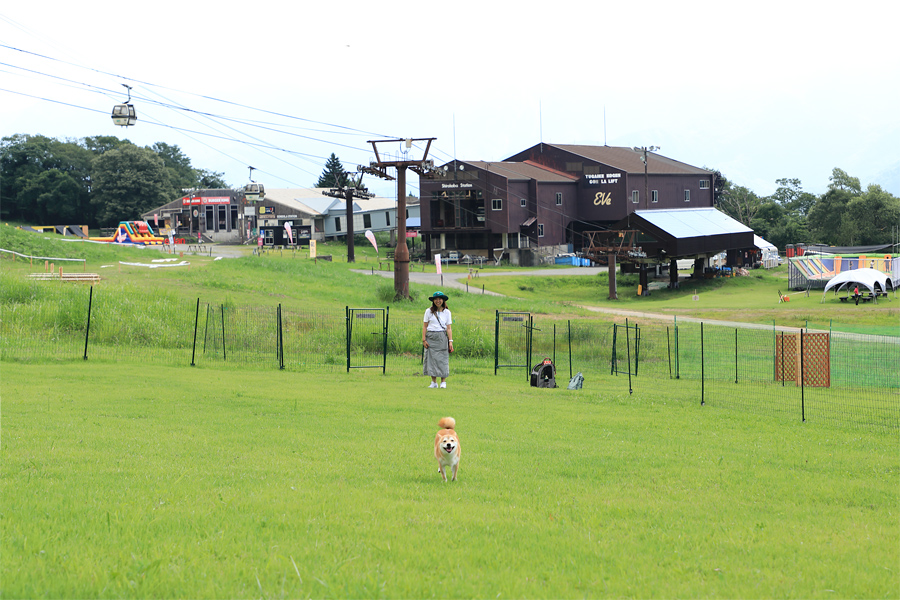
(687, 195)
(559, 198)
(496, 204)
(654, 195)
(592, 170)
(523, 203)
(337, 224)
(574, 166)
(704, 184)
(540, 230)
(367, 220)
(387, 219)
(635, 196)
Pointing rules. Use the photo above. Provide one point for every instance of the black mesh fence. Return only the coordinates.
(814, 376)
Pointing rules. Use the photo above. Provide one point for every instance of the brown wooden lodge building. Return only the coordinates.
(549, 199)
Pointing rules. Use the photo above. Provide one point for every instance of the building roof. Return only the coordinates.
(688, 231)
(313, 201)
(693, 222)
(523, 171)
(763, 244)
(629, 160)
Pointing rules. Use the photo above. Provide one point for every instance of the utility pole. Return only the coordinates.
(644, 150)
(379, 168)
(354, 189)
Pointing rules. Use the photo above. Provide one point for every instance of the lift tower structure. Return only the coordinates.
(353, 189)
(379, 167)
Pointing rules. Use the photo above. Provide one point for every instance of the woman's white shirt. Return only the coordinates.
(432, 319)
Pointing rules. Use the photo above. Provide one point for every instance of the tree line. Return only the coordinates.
(95, 181)
(845, 215)
(98, 181)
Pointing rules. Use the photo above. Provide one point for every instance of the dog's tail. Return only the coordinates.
(447, 423)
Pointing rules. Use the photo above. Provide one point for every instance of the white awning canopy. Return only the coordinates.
(867, 278)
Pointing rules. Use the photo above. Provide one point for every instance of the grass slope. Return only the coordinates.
(243, 484)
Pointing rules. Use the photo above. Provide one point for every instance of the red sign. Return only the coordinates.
(412, 233)
(194, 200)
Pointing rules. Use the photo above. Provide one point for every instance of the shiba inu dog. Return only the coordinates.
(446, 447)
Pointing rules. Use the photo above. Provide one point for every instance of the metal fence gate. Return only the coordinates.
(512, 341)
(632, 334)
(367, 335)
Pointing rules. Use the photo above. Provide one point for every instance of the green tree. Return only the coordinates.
(99, 144)
(840, 180)
(211, 180)
(791, 196)
(27, 162)
(872, 215)
(334, 174)
(128, 181)
(54, 198)
(740, 203)
(826, 218)
(767, 219)
(181, 174)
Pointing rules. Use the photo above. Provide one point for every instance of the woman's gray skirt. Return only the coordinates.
(436, 362)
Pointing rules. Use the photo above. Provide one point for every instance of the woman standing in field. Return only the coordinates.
(437, 338)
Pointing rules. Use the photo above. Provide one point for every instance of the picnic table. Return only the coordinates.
(856, 298)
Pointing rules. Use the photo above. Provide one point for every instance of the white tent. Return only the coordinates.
(768, 252)
(867, 278)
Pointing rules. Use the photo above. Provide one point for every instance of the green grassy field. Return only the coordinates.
(222, 484)
(124, 478)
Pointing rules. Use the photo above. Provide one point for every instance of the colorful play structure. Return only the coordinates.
(133, 232)
(64, 230)
(816, 270)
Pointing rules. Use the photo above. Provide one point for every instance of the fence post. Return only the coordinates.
(206, 328)
(802, 381)
(349, 332)
(196, 323)
(735, 355)
(496, 340)
(280, 340)
(87, 330)
(637, 348)
(554, 343)
(669, 351)
(782, 359)
(384, 339)
(677, 362)
(628, 355)
(612, 363)
(702, 370)
(529, 344)
(569, 330)
(224, 350)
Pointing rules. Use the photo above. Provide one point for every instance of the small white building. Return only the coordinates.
(226, 217)
(325, 216)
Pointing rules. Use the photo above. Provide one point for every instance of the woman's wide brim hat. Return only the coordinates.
(439, 295)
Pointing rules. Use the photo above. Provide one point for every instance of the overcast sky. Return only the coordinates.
(759, 91)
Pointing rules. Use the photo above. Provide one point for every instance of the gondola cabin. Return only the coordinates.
(254, 192)
(124, 115)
